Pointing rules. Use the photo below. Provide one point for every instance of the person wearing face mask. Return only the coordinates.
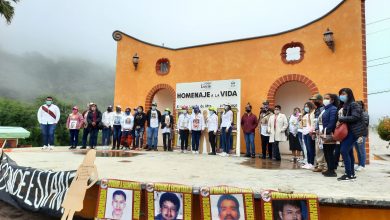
(48, 116)
(360, 144)
(320, 158)
(277, 126)
(139, 127)
(196, 127)
(153, 120)
(302, 161)
(183, 126)
(94, 119)
(226, 130)
(249, 124)
(166, 126)
(329, 119)
(107, 126)
(265, 113)
(352, 115)
(308, 126)
(293, 137)
(85, 126)
(117, 127)
(127, 125)
(73, 124)
(212, 127)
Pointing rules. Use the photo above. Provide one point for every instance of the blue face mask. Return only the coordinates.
(307, 109)
(127, 113)
(48, 102)
(343, 98)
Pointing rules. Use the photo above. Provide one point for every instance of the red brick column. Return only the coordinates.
(289, 78)
(364, 71)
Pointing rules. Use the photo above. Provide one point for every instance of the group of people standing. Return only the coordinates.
(312, 131)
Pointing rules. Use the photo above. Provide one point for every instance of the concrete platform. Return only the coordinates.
(371, 188)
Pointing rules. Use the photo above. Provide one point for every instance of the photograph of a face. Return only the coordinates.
(290, 209)
(119, 204)
(227, 206)
(168, 205)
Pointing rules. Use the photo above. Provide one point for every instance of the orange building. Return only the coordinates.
(285, 68)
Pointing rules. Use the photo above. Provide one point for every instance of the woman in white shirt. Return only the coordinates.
(183, 126)
(226, 130)
(308, 126)
(293, 137)
(196, 128)
(212, 127)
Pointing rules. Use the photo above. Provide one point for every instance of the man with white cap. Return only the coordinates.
(153, 118)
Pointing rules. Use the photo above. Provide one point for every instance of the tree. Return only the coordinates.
(384, 129)
(7, 10)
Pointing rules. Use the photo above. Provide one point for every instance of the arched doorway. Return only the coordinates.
(291, 91)
(164, 95)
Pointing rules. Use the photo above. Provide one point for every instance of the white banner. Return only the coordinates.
(213, 93)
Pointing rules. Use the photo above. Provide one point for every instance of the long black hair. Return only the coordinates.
(335, 98)
(351, 97)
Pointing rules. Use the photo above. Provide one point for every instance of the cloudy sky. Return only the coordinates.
(82, 29)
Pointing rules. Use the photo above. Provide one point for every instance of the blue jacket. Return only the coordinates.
(329, 118)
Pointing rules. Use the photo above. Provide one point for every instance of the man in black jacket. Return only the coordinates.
(139, 127)
(167, 129)
(153, 118)
(94, 119)
(317, 100)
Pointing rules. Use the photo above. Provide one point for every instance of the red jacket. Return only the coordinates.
(249, 123)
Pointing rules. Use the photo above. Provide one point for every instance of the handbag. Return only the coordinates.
(340, 132)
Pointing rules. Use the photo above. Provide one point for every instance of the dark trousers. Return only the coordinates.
(139, 136)
(74, 137)
(184, 139)
(264, 145)
(310, 148)
(212, 140)
(195, 140)
(347, 153)
(94, 131)
(337, 155)
(329, 156)
(117, 134)
(275, 150)
(106, 136)
(85, 137)
(167, 141)
(226, 142)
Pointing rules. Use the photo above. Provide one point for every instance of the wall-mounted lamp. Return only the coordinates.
(135, 60)
(328, 38)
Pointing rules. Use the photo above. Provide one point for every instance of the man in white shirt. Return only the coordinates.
(153, 120)
(48, 117)
(212, 127)
(107, 126)
(183, 126)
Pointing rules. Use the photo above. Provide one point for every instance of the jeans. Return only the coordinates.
(361, 152)
(329, 156)
(212, 140)
(93, 136)
(184, 139)
(195, 140)
(139, 136)
(127, 138)
(85, 137)
(303, 146)
(310, 148)
(74, 137)
(106, 136)
(264, 145)
(225, 137)
(250, 143)
(167, 141)
(275, 150)
(48, 133)
(347, 153)
(152, 137)
(117, 134)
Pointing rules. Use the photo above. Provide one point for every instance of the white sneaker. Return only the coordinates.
(50, 147)
(185, 151)
(359, 168)
(356, 166)
(197, 152)
(44, 147)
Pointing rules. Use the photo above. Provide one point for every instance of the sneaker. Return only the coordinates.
(356, 166)
(345, 178)
(247, 155)
(253, 156)
(307, 166)
(50, 147)
(182, 151)
(185, 151)
(44, 147)
(330, 174)
(197, 152)
(359, 168)
(317, 169)
(83, 147)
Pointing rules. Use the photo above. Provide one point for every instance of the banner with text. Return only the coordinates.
(216, 94)
(276, 205)
(223, 202)
(33, 189)
(119, 199)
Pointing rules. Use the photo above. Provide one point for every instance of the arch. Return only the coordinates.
(288, 78)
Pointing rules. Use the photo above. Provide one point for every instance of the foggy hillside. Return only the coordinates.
(73, 80)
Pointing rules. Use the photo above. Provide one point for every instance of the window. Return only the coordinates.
(162, 66)
(292, 53)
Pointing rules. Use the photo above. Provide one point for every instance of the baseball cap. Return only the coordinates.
(266, 102)
(316, 97)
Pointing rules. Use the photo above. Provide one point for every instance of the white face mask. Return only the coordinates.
(326, 102)
(277, 111)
